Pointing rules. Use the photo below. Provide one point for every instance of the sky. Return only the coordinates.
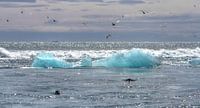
(100, 20)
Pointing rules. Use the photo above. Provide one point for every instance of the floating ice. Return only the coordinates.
(48, 60)
(195, 61)
(86, 61)
(131, 59)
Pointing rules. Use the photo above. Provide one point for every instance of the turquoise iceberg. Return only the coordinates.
(48, 60)
(195, 61)
(131, 59)
(86, 61)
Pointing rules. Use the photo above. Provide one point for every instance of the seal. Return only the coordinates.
(129, 80)
(57, 92)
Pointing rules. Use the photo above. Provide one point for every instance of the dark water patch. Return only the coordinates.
(130, 70)
(9, 67)
(10, 63)
(96, 45)
(10, 75)
(131, 2)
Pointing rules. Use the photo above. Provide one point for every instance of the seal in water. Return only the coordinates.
(57, 92)
(129, 80)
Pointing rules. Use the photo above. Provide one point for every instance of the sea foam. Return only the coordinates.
(4, 52)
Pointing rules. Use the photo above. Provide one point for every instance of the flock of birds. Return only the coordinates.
(142, 12)
(52, 20)
(119, 20)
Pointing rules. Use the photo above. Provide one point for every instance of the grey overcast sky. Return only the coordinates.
(91, 20)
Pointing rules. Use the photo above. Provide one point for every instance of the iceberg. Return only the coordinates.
(195, 61)
(48, 60)
(86, 61)
(131, 59)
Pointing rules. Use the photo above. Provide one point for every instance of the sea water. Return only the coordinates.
(171, 80)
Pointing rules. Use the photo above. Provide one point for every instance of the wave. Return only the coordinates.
(4, 52)
(77, 54)
(24, 58)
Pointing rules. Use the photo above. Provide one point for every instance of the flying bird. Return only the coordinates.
(51, 20)
(116, 22)
(143, 12)
(54, 20)
(108, 36)
(113, 24)
(84, 23)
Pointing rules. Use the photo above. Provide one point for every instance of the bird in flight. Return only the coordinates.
(108, 36)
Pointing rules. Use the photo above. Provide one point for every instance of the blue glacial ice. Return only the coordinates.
(86, 61)
(48, 60)
(195, 61)
(131, 59)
